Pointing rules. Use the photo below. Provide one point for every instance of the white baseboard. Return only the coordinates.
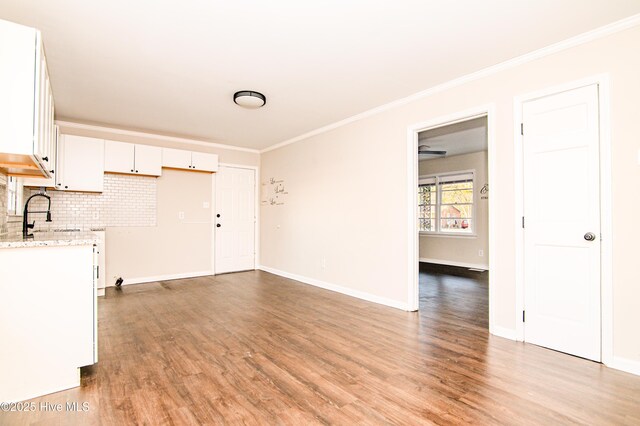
(338, 288)
(140, 280)
(624, 364)
(507, 333)
(454, 263)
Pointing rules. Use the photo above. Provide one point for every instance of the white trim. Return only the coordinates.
(507, 333)
(492, 165)
(337, 288)
(239, 166)
(624, 364)
(174, 139)
(583, 38)
(446, 235)
(256, 213)
(606, 221)
(140, 280)
(413, 256)
(454, 263)
(213, 221)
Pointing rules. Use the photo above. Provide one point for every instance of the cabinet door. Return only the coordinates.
(41, 109)
(17, 88)
(82, 163)
(118, 157)
(204, 162)
(176, 158)
(55, 166)
(148, 160)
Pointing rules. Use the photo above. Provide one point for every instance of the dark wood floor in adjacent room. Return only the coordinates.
(255, 348)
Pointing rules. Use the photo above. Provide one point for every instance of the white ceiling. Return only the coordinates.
(457, 139)
(172, 66)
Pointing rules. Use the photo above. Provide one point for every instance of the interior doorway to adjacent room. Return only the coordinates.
(453, 219)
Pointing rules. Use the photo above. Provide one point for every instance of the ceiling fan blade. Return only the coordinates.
(432, 152)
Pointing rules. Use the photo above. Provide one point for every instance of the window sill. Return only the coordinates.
(447, 235)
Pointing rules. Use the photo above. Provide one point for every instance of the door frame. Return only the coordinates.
(256, 213)
(606, 226)
(487, 110)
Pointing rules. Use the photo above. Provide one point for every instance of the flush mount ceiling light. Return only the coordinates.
(249, 99)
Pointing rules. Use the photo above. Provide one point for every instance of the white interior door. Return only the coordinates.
(562, 222)
(235, 220)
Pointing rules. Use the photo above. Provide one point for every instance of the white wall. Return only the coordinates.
(461, 250)
(348, 187)
(173, 246)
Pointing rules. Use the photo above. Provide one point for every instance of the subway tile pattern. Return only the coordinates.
(3, 204)
(125, 201)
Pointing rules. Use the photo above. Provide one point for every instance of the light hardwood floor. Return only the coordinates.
(255, 348)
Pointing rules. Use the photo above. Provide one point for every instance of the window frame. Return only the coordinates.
(14, 185)
(471, 233)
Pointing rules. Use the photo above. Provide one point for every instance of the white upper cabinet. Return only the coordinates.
(148, 160)
(198, 161)
(118, 157)
(204, 162)
(128, 158)
(176, 158)
(80, 164)
(27, 132)
(53, 156)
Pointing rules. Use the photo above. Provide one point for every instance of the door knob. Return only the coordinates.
(218, 225)
(589, 236)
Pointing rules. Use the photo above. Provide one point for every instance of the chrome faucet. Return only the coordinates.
(25, 215)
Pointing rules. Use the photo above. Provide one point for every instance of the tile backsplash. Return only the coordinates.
(125, 201)
(3, 203)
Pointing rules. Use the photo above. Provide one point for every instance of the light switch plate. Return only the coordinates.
(205, 205)
(181, 215)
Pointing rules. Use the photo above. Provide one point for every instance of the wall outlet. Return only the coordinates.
(181, 215)
(480, 253)
(323, 263)
(205, 205)
(96, 215)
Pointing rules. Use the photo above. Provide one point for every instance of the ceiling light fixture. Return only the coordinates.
(249, 99)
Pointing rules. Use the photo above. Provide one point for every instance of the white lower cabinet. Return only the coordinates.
(47, 319)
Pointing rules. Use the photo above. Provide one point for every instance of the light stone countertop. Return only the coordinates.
(49, 239)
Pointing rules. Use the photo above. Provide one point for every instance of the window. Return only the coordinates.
(427, 204)
(445, 203)
(14, 196)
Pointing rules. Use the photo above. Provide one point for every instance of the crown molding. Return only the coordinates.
(604, 31)
(174, 139)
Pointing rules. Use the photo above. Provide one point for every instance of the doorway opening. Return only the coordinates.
(453, 219)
